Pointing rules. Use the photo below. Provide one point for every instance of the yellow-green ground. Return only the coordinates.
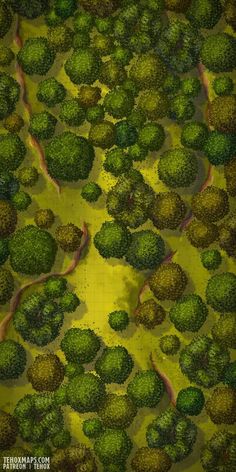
(104, 286)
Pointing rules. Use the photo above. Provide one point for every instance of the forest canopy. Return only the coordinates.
(118, 234)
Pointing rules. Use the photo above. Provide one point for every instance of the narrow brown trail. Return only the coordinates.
(140, 294)
(204, 79)
(169, 257)
(168, 385)
(33, 141)
(14, 303)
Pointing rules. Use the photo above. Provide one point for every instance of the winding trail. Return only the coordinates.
(169, 257)
(141, 292)
(168, 385)
(33, 141)
(205, 82)
(14, 303)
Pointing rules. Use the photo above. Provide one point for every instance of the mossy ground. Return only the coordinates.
(104, 286)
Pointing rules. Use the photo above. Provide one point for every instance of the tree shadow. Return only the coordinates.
(131, 291)
(22, 381)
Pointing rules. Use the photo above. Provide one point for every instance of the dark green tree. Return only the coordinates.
(146, 389)
(170, 344)
(113, 446)
(118, 320)
(5, 19)
(218, 52)
(42, 125)
(204, 361)
(178, 167)
(223, 85)
(8, 430)
(29, 8)
(189, 313)
(103, 134)
(83, 66)
(219, 448)
(92, 427)
(77, 165)
(148, 71)
(204, 13)
(211, 259)
(36, 56)
(72, 113)
(80, 345)
(32, 251)
(118, 102)
(60, 38)
(179, 45)
(12, 151)
(146, 251)
(6, 56)
(130, 199)
(118, 411)
(221, 292)
(12, 359)
(190, 401)
(91, 192)
(51, 92)
(112, 240)
(183, 432)
(8, 218)
(85, 393)
(114, 365)
(65, 8)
